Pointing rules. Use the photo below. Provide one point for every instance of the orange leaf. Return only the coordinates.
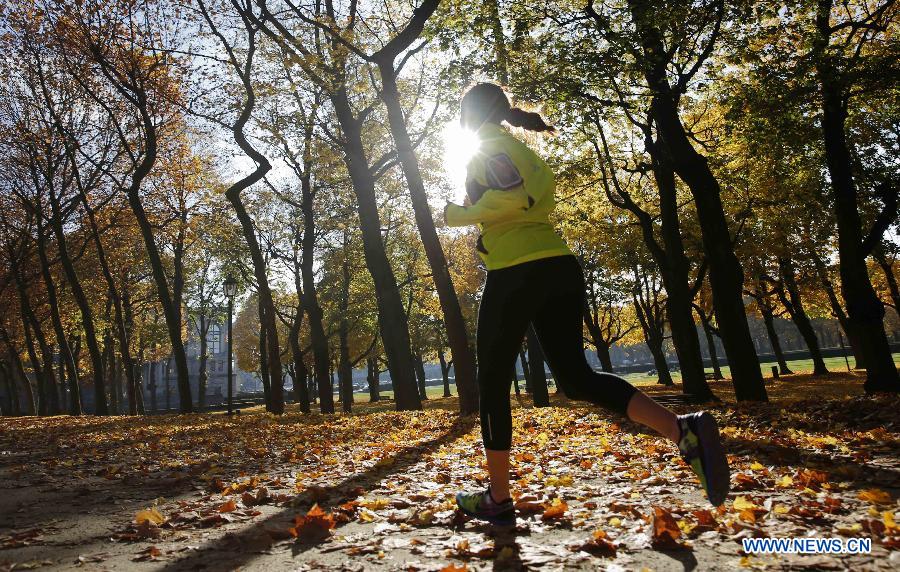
(229, 506)
(665, 529)
(555, 511)
(313, 527)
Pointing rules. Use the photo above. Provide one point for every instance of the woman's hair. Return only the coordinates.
(485, 102)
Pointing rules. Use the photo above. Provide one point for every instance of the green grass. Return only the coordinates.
(834, 364)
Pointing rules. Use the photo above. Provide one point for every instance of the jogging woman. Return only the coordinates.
(533, 278)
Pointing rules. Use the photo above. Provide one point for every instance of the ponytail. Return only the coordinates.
(527, 120)
(488, 102)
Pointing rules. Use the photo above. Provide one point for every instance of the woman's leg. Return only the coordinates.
(503, 317)
(558, 323)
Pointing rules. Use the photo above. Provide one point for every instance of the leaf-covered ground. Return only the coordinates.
(375, 490)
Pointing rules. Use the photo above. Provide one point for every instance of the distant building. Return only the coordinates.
(216, 369)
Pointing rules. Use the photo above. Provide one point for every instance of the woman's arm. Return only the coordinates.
(493, 206)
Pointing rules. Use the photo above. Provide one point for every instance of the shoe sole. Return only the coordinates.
(712, 455)
(494, 521)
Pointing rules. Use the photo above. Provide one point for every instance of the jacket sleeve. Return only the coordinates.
(493, 206)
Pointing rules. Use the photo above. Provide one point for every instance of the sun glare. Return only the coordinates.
(459, 147)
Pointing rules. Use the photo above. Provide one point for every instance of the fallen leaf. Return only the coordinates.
(555, 511)
(875, 496)
(149, 515)
(315, 526)
(665, 530)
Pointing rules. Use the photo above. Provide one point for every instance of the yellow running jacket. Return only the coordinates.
(512, 194)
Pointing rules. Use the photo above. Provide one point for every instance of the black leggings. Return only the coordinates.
(550, 294)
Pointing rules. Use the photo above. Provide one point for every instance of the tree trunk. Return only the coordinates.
(653, 337)
(151, 387)
(769, 320)
(65, 352)
(526, 371)
(838, 311)
(392, 322)
(888, 270)
(539, 391)
(794, 305)
(202, 374)
(865, 311)
(711, 345)
(374, 389)
(345, 369)
(445, 371)
(463, 356)
(725, 272)
(675, 272)
(167, 379)
(301, 391)
(264, 372)
(310, 299)
(601, 345)
(419, 365)
(17, 370)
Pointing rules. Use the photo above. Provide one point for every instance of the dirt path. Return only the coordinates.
(227, 493)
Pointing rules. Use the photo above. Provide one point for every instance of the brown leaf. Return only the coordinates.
(314, 527)
(599, 545)
(149, 553)
(665, 530)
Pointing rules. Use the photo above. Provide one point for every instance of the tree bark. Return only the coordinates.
(18, 371)
(889, 277)
(794, 305)
(864, 309)
(87, 318)
(419, 366)
(445, 371)
(393, 325)
(463, 357)
(769, 320)
(374, 389)
(526, 370)
(710, 344)
(65, 351)
(838, 311)
(301, 391)
(725, 272)
(264, 372)
(202, 374)
(310, 298)
(539, 391)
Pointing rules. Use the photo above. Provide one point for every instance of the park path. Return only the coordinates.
(593, 492)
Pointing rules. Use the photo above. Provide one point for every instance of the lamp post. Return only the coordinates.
(230, 287)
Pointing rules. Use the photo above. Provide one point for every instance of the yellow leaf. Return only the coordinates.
(781, 509)
(615, 521)
(889, 520)
(784, 482)
(150, 515)
(755, 466)
(876, 496)
(741, 503)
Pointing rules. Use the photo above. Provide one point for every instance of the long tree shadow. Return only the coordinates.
(859, 474)
(233, 542)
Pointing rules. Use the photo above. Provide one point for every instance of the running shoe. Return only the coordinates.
(481, 505)
(702, 449)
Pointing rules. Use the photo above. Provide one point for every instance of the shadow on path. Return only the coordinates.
(246, 537)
